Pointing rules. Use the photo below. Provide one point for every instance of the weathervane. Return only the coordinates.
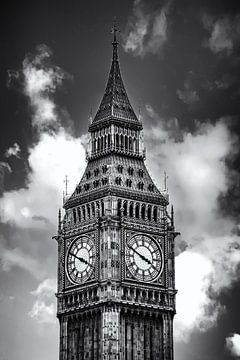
(165, 181)
(114, 31)
(66, 181)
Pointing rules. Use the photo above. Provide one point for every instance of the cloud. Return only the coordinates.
(224, 33)
(44, 309)
(17, 258)
(13, 151)
(233, 345)
(209, 249)
(146, 31)
(31, 212)
(4, 170)
(39, 78)
(187, 94)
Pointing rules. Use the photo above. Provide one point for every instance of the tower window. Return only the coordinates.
(140, 172)
(105, 181)
(129, 182)
(150, 187)
(88, 174)
(125, 208)
(96, 172)
(96, 183)
(155, 213)
(140, 185)
(130, 170)
(120, 169)
(78, 189)
(137, 211)
(104, 169)
(74, 216)
(118, 180)
(131, 210)
(86, 187)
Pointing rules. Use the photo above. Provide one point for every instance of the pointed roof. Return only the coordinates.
(115, 103)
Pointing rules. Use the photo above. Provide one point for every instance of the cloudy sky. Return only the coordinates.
(180, 62)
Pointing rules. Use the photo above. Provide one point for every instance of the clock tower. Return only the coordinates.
(116, 287)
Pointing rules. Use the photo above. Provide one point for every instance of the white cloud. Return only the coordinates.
(4, 170)
(13, 151)
(187, 94)
(146, 32)
(224, 33)
(198, 175)
(233, 345)
(50, 159)
(44, 309)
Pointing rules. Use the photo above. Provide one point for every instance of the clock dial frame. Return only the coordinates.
(80, 260)
(144, 257)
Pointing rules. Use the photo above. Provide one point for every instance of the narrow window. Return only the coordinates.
(79, 214)
(155, 213)
(125, 208)
(149, 213)
(74, 216)
(119, 207)
(131, 210)
(137, 211)
(143, 212)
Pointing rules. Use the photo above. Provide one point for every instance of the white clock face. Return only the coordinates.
(143, 257)
(80, 260)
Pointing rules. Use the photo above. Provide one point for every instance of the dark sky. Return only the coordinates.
(180, 61)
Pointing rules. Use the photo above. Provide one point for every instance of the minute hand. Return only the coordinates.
(81, 259)
(140, 255)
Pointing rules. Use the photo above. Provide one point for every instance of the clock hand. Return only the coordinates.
(81, 259)
(140, 255)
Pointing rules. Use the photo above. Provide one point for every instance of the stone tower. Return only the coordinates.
(116, 290)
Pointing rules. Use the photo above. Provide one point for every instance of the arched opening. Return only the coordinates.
(98, 144)
(119, 204)
(130, 144)
(88, 211)
(131, 210)
(125, 208)
(102, 207)
(84, 212)
(149, 213)
(79, 214)
(126, 142)
(93, 210)
(101, 144)
(143, 212)
(155, 213)
(109, 141)
(137, 211)
(117, 141)
(74, 216)
(121, 141)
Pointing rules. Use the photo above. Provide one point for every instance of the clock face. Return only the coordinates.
(80, 260)
(143, 257)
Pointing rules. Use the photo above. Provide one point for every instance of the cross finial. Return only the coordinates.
(114, 31)
(66, 181)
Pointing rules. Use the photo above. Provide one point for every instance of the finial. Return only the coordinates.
(165, 181)
(172, 216)
(66, 185)
(114, 31)
(59, 220)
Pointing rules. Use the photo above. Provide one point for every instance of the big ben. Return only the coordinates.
(116, 274)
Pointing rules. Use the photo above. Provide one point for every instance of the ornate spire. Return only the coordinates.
(115, 104)
(114, 31)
